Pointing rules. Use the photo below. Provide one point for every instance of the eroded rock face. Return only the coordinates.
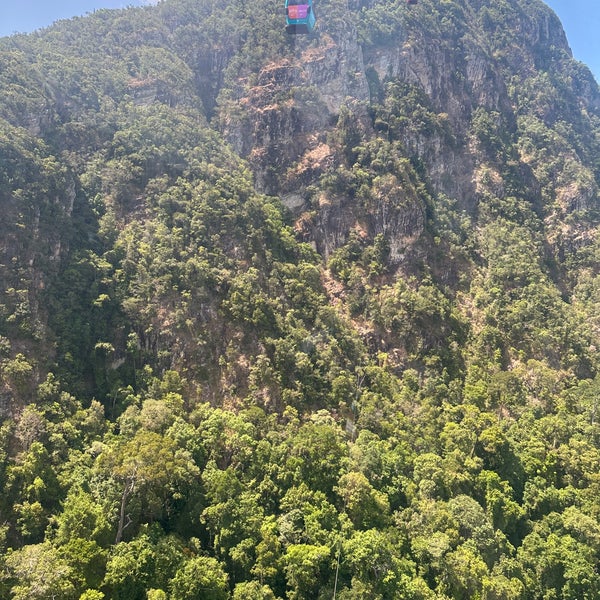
(397, 215)
(336, 68)
(283, 116)
(282, 119)
(276, 122)
(285, 122)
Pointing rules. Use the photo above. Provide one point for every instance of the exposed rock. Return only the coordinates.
(280, 122)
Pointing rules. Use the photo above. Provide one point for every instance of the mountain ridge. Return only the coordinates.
(282, 315)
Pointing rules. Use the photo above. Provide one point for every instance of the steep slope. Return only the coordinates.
(280, 315)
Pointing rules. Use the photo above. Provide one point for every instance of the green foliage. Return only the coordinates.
(39, 572)
(200, 577)
(130, 569)
(252, 590)
(303, 565)
(390, 391)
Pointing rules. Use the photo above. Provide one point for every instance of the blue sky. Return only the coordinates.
(581, 21)
(26, 15)
(580, 18)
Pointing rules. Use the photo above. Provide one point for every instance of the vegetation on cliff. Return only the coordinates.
(281, 316)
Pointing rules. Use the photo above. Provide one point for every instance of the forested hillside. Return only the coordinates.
(300, 317)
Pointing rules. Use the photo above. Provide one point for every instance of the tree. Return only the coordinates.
(252, 590)
(501, 508)
(200, 578)
(463, 572)
(306, 568)
(376, 558)
(92, 595)
(130, 569)
(81, 517)
(87, 561)
(366, 507)
(18, 374)
(500, 587)
(38, 573)
(33, 490)
(430, 476)
(151, 467)
(307, 516)
(316, 455)
(557, 564)
(268, 552)
(233, 518)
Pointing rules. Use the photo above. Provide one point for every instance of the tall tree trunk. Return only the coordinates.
(127, 491)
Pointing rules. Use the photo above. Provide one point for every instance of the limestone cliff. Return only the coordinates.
(299, 317)
(461, 62)
(454, 143)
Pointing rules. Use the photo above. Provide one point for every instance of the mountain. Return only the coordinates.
(299, 316)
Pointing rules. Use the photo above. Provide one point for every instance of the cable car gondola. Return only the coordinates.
(299, 16)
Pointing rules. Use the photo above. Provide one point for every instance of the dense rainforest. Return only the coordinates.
(300, 317)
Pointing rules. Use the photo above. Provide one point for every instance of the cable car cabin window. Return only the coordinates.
(298, 11)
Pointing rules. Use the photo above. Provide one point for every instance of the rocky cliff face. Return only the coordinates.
(265, 300)
(410, 140)
(285, 120)
(285, 110)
